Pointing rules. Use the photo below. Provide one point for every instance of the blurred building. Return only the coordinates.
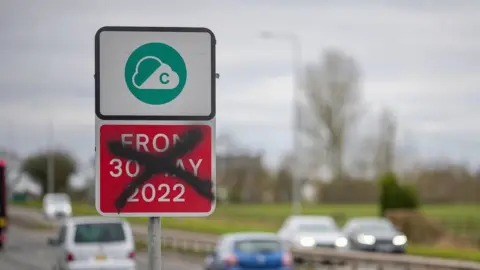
(242, 177)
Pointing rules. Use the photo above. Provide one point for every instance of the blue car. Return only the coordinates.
(247, 251)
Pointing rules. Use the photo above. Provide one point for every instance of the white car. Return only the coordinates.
(313, 231)
(57, 206)
(94, 243)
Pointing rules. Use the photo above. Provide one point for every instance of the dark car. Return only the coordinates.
(242, 251)
(374, 234)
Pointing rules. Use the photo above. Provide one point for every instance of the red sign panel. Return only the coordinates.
(163, 194)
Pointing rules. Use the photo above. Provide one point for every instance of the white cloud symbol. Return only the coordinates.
(163, 78)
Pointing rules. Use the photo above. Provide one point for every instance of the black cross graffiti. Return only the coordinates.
(162, 163)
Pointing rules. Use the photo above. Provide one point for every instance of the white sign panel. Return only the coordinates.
(155, 73)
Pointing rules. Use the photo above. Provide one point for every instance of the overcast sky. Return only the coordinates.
(420, 58)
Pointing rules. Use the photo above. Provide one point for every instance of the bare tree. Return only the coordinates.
(226, 148)
(376, 153)
(362, 162)
(240, 171)
(386, 143)
(332, 106)
(282, 189)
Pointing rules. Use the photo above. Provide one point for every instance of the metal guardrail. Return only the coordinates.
(195, 242)
(353, 259)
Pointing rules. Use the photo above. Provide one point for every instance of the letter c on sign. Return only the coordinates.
(163, 80)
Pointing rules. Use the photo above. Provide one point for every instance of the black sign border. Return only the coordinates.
(97, 74)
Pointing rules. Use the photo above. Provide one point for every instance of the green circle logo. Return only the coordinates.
(155, 73)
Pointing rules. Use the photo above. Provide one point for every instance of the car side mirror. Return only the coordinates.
(52, 242)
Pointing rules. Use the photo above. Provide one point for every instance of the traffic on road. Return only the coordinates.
(108, 243)
(309, 234)
(28, 250)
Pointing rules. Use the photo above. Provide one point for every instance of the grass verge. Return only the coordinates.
(446, 253)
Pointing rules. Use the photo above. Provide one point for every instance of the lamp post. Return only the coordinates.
(296, 54)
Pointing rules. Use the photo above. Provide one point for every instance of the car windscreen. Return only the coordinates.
(258, 246)
(317, 227)
(99, 233)
(57, 200)
(375, 227)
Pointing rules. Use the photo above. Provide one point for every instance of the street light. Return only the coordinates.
(296, 51)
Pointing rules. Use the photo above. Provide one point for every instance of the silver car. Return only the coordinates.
(57, 206)
(313, 231)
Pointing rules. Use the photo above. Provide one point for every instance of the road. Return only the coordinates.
(27, 250)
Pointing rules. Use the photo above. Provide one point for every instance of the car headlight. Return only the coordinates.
(366, 239)
(50, 209)
(307, 241)
(399, 240)
(341, 242)
(67, 208)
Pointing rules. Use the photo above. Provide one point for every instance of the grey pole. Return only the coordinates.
(154, 243)
(50, 158)
(296, 48)
(296, 65)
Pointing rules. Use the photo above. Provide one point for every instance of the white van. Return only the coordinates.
(94, 243)
(57, 205)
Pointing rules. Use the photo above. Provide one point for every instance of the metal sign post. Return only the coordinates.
(154, 243)
(155, 125)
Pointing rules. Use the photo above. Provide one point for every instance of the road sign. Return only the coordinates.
(163, 193)
(155, 121)
(137, 67)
